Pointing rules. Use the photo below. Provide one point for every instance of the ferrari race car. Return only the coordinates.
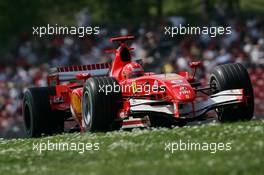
(109, 96)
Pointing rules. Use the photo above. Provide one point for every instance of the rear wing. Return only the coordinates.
(122, 39)
(68, 73)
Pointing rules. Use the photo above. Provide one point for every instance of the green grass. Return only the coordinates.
(142, 152)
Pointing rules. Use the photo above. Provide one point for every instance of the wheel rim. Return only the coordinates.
(87, 108)
(214, 86)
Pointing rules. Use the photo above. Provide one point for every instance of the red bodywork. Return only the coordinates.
(176, 87)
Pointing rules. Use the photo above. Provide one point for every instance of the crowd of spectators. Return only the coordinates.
(27, 60)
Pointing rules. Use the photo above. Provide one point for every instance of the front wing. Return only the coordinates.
(188, 110)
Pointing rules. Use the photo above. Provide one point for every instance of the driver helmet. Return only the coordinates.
(132, 70)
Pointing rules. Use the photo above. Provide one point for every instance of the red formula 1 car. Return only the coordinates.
(106, 96)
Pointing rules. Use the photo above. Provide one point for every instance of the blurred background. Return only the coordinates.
(25, 59)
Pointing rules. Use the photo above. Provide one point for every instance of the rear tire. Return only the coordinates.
(233, 76)
(39, 119)
(98, 108)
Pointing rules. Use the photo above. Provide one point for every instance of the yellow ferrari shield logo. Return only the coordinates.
(134, 87)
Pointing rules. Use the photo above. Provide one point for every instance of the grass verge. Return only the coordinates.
(142, 152)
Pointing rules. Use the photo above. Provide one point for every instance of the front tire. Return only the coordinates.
(98, 108)
(233, 76)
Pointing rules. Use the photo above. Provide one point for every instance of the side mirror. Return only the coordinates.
(195, 64)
